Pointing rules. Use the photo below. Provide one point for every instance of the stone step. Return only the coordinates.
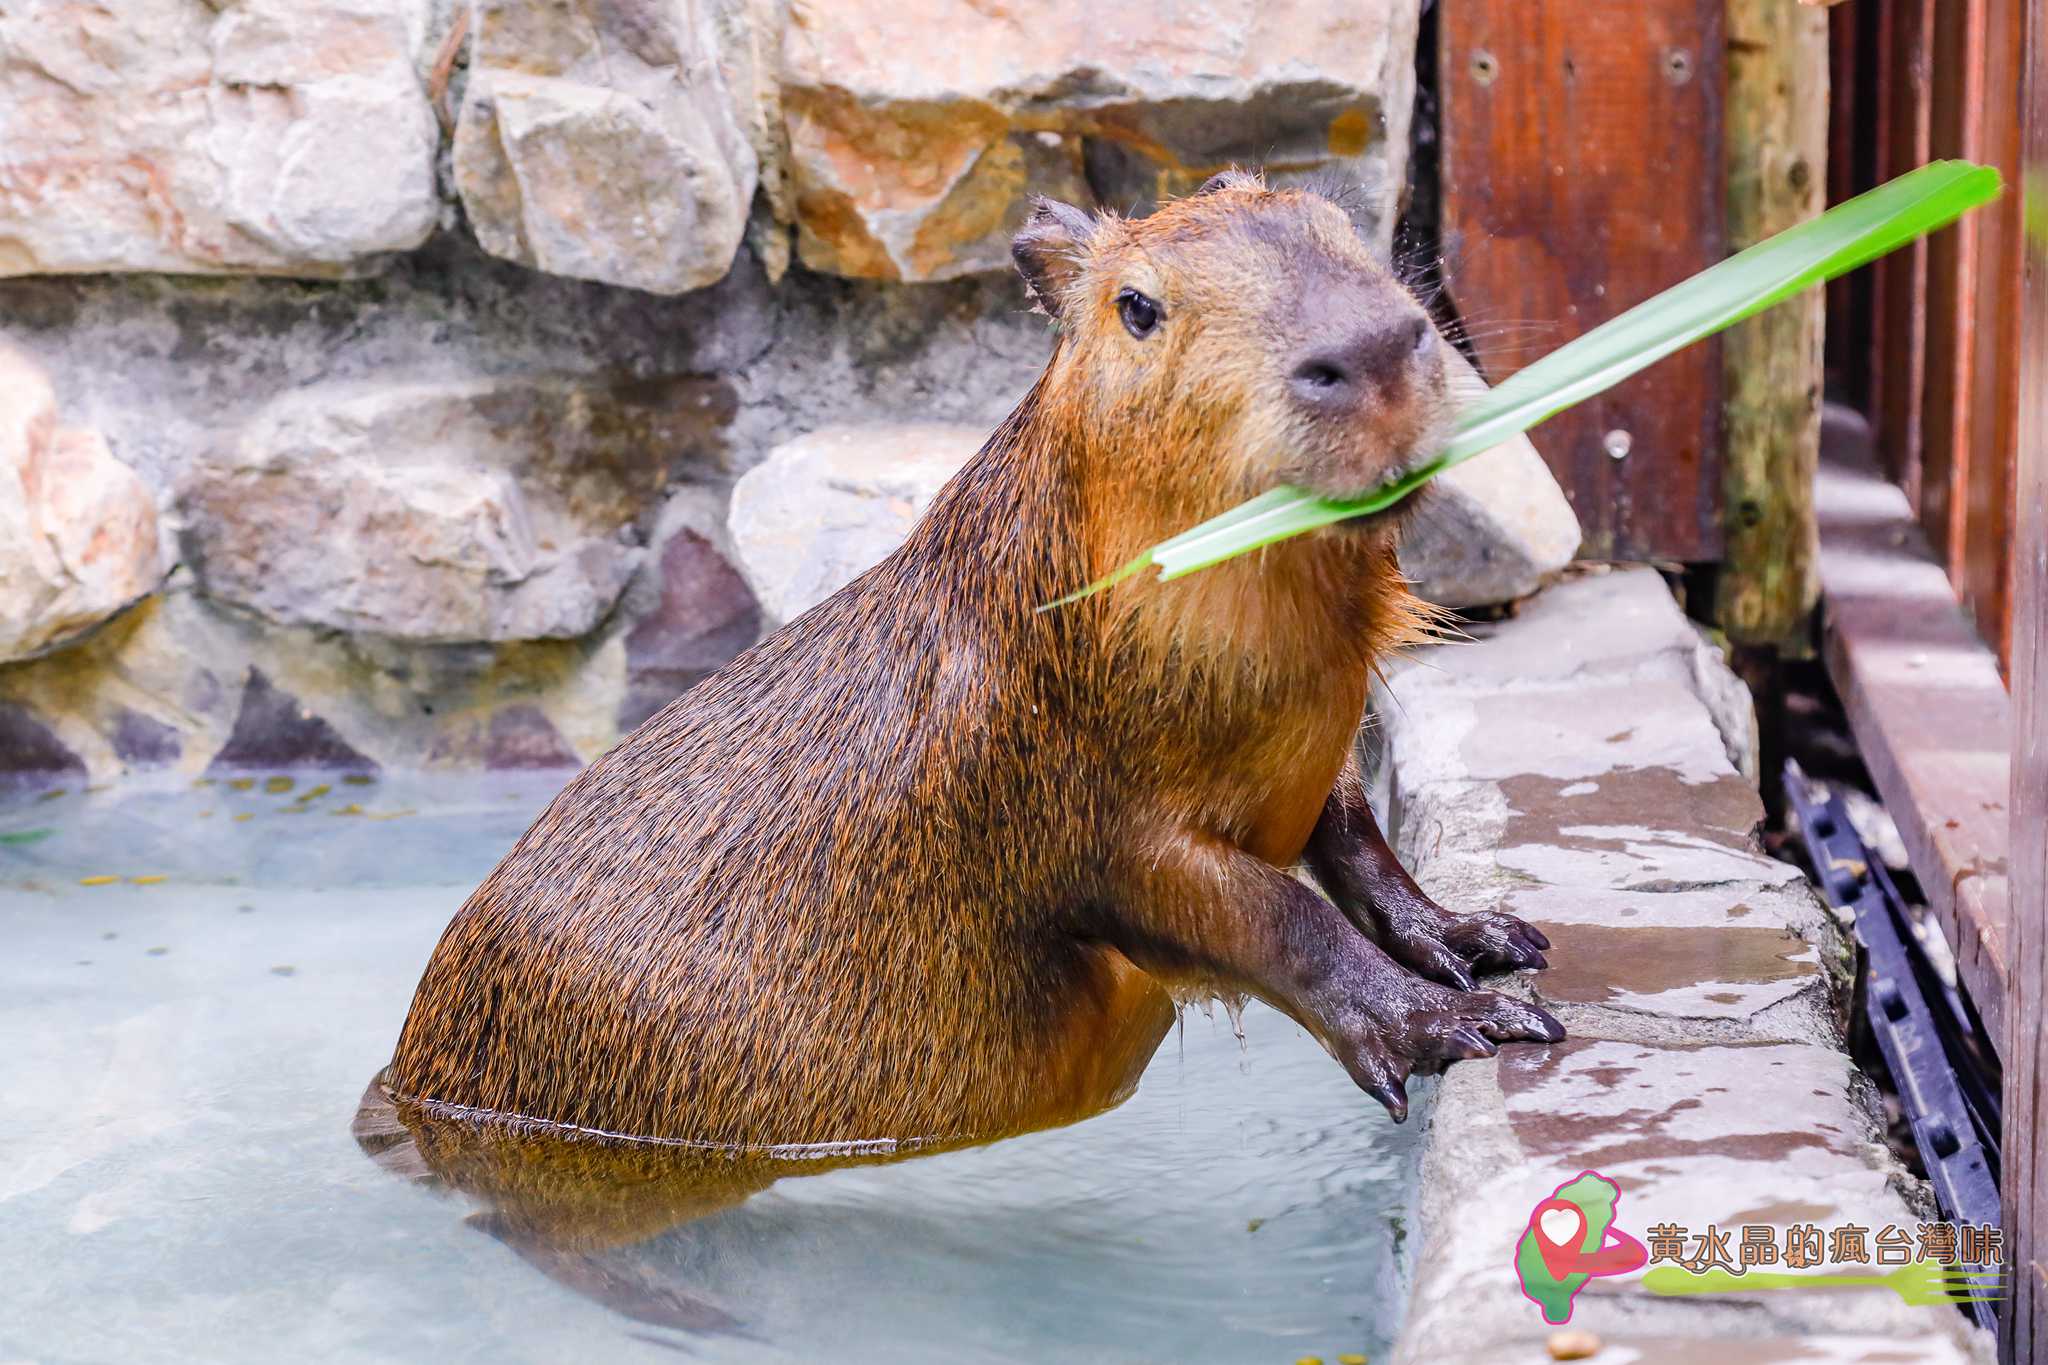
(1589, 765)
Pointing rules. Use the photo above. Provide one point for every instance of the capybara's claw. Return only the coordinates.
(1511, 1020)
(1470, 1042)
(1400, 1022)
(1489, 941)
(1394, 1096)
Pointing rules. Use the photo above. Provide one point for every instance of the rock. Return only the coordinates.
(615, 143)
(78, 530)
(825, 507)
(903, 167)
(281, 136)
(273, 729)
(141, 741)
(703, 612)
(479, 510)
(1491, 529)
(1572, 1345)
(30, 755)
(521, 736)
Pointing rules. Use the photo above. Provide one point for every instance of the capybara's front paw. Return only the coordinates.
(1401, 1023)
(1449, 948)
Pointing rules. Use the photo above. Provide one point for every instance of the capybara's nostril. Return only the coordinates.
(1378, 357)
(1318, 378)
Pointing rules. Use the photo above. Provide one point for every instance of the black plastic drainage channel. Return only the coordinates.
(1953, 1114)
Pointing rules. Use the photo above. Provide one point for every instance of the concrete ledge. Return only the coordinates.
(1590, 766)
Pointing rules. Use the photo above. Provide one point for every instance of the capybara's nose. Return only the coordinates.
(1376, 358)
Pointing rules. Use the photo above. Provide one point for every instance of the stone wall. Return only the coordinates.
(374, 373)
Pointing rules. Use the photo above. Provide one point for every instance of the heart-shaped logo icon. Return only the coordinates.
(1565, 1227)
(1560, 1228)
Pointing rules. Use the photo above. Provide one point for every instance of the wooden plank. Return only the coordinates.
(1956, 129)
(1777, 145)
(1982, 567)
(1899, 283)
(1925, 699)
(1582, 172)
(1853, 140)
(2025, 1054)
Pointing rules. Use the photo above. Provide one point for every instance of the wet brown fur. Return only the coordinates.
(887, 874)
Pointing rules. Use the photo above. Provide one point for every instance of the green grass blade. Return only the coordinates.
(1845, 237)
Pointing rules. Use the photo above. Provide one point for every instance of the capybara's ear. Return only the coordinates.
(1048, 250)
(1232, 179)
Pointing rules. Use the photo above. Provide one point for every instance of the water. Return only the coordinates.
(178, 1181)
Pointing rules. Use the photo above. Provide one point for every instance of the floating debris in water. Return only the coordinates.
(358, 779)
(103, 879)
(245, 815)
(14, 838)
(150, 879)
(353, 808)
(51, 795)
(311, 794)
(242, 784)
(159, 952)
(279, 784)
(286, 970)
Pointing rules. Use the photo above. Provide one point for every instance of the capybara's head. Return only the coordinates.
(1235, 340)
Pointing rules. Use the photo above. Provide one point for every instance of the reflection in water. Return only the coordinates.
(563, 1201)
(692, 1239)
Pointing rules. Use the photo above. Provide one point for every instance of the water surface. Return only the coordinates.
(186, 1043)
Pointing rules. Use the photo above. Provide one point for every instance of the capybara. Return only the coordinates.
(932, 863)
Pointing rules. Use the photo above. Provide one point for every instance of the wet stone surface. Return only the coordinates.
(1585, 766)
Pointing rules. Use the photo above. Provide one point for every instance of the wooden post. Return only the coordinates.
(2026, 1044)
(1581, 173)
(1777, 148)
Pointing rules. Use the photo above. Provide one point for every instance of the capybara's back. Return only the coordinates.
(808, 902)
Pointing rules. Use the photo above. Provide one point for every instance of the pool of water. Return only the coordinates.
(196, 982)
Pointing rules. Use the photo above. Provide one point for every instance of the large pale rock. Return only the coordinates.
(470, 511)
(78, 530)
(917, 127)
(825, 507)
(280, 136)
(612, 142)
(1492, 529)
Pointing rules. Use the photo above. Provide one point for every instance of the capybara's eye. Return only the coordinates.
(1141, 315)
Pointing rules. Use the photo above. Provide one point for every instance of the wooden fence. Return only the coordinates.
(1927, 342)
